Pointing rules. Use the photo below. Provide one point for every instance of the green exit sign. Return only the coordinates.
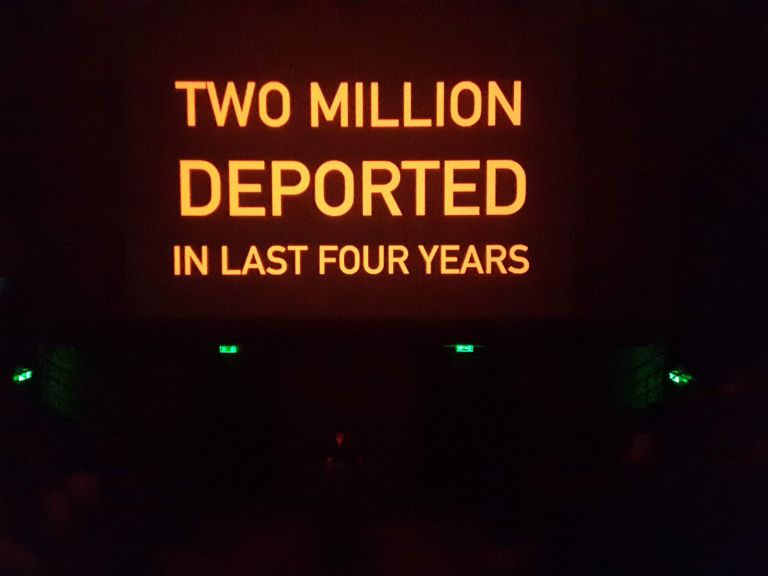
(680, 378)
(229, 348)
(464, 348)
(22, 375)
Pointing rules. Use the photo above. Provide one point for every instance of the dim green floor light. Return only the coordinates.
(680, 378)
(22, 375)
(229, 348)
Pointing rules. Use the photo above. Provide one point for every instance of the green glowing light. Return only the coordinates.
(229, 348)
(22, 375)
(680, 378)
(464, 348)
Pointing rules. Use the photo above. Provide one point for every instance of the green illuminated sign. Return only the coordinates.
(464, 348)
(229, 349)
(22, 375)
(680, 378)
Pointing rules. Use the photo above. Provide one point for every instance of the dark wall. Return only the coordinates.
(669, 139)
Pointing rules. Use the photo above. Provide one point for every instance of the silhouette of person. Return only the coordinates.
(340, 519)
(343, 452)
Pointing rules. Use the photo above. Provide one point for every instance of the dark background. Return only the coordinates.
(541, 436)
(663, 212)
